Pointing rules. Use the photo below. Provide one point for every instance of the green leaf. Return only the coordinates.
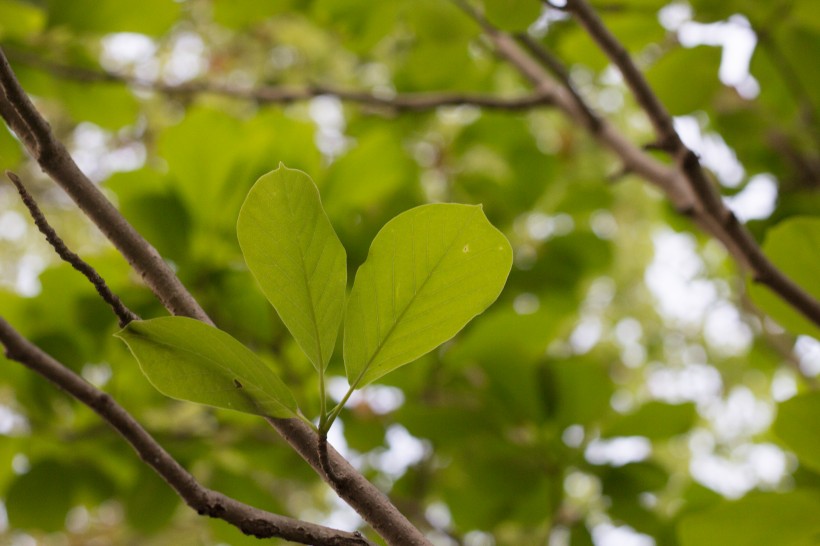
(189, 360)
(20, 20)
(430, 270)
(149, 502)
(292, 250)
(792, 245)
(798, 425)
(101, 17)
(654, 420)
(512, 14)
(700, 64)
(41, 498)
(388, 168)
(756, 520)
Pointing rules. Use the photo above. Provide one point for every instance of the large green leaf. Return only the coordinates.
(292, 250)
(798, 425)
(793, 245)
(788, 519)
(429, 271)
(189, 360)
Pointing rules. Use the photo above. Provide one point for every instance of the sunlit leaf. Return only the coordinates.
(292, 250)
(189, 360)
(429, 271)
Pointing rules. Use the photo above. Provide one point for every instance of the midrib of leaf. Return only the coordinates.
(312, 317)
(416, 293)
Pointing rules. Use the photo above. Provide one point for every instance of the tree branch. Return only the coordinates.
(360, 494)
(687, 186)
(248, 519)
(124, 314)
(402, 102)
(23, 118)
(593, 122)
(709, 199)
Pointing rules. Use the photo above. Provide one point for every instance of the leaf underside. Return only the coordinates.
(189, 360)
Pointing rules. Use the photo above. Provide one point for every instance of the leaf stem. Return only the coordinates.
(307, 421)
(334, 413)
(322, 401)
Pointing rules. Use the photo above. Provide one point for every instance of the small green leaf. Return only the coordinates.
(292, 250)
(430, 270)
(798, 425)
(189, 360)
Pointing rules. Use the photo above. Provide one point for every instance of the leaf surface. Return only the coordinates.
(429, 271)
(299, 262)
(189, 360)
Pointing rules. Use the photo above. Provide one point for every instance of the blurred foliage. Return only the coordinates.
(626, 380)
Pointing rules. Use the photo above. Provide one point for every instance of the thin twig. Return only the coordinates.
(249, 520)
(34, 132)
(562, 74)
(265, 94)
(124, 314)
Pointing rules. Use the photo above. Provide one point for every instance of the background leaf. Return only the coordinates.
(794, 246)
(654, 420)
(189, 360)
(789, 519)
(798, 425)
(429, 271)
(292, 250)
